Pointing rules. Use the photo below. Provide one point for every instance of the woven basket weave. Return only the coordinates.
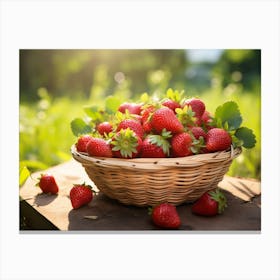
(150, 181)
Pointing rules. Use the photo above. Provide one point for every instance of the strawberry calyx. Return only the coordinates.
(220, 198)
(186, 116)
(197, 144)
(39, 179)
(174, 95)
(126, 142)
(85, 186)
(161, 140)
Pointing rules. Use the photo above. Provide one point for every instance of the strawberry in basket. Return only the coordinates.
(140, 129)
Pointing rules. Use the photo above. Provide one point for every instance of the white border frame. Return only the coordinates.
(146, 24)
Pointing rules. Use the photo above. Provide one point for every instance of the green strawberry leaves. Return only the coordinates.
(80, 127)
(228, 117)
(247, 137)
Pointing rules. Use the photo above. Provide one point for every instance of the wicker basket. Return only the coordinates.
(150, 181)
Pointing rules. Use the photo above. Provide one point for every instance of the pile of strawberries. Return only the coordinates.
(171, 127)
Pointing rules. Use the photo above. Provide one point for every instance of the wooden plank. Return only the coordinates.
(108, 214)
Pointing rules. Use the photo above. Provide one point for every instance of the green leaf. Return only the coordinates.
(247, 136)
(94, 113)
(33, 165)
(23, 175)
(79, 127)
(228, 115)
(112, 103)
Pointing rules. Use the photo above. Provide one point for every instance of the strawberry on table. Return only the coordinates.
(217, 139)
(210, 204)
(99, 147)
(47, 184)
(166, 216)
(82, 142)
(165, 118)
(80, 195)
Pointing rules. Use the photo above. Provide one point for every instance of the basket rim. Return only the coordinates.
(146, 163)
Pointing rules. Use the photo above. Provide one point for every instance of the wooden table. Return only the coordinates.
(54, 212)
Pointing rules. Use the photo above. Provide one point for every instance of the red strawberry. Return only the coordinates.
(210, 204)
(217, 139)
(165, 216)
(126, 144)
(146, 115)
(156, 146)
(104, 127)
(82, 142)
(171, 104)
(132, 108)
(98, 147)
(80, 194)
(165, 118)
(133, 125)
(197, 132)
(181, 145)
(47, 184)
(198, 107)
(204, 120)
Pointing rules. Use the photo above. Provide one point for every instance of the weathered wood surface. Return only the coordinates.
(45, 211)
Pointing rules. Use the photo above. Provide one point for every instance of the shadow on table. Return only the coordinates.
(105, 214)
(42, 199)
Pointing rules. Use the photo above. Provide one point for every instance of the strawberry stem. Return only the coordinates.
(218, 196)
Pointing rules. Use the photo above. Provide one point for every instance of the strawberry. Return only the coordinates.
(165, 118)
(197, 132)
(146, 115)
(80, 194)
(217, 139)
(133, 125)
(126, 144)
(133, 108)
(47, 184)
(82, 142)
(166, 216)
(205, 120)
(156, 146)
(198, 107)
(98, 147)
(171, 104)
(181, 144)
(104, 127)
(210, 204)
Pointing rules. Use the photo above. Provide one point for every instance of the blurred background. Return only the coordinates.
(55, 86)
